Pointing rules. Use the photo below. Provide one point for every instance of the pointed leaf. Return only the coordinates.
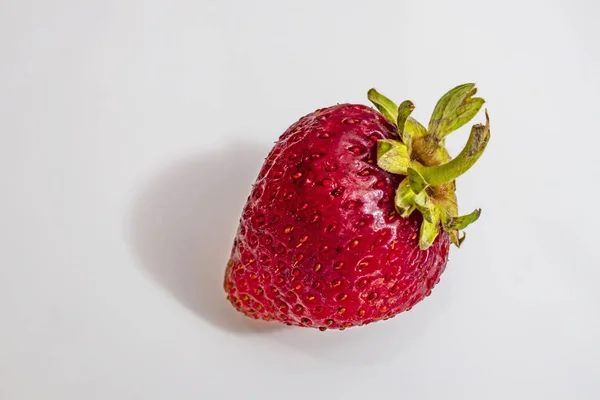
(463, 115)
(454, 238)
(414, 128)
(385, 106)
(447, 204)
(392, 156)
(460, 223)
(425, 206)
(454, 109)
(417, 183)
(429, 231)
(404, 200)
(404, 110)
(443, 102)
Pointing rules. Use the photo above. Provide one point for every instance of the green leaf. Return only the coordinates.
(454, 109)
(460, 223)
(385, 106)
(446, 202)
(425, 206)
(414, 128)
(392, 156)
(404, 110)
(463, 115)
(429, 231)
(443, 103)
(404, 200)
(454, 238)
(416, 180)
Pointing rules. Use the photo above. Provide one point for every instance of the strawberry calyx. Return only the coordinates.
(420, 155)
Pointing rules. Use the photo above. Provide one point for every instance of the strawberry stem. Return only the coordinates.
(422, 157)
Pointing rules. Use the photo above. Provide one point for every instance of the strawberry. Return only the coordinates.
(352, 215)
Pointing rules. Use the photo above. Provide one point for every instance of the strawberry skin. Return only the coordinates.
(320, 243)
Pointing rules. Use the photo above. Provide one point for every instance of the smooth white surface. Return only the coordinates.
(132, 131)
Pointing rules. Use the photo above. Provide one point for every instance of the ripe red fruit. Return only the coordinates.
(352, 215)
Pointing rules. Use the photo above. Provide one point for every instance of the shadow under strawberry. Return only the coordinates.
(182, 225)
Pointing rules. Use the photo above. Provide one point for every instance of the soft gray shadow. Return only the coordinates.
(183, 224)
(374, 344)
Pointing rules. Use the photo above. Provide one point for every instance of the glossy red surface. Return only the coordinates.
(320, 243)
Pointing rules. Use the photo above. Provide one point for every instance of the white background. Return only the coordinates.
(131, 132)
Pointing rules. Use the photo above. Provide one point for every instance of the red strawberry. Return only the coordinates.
(352, 215)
